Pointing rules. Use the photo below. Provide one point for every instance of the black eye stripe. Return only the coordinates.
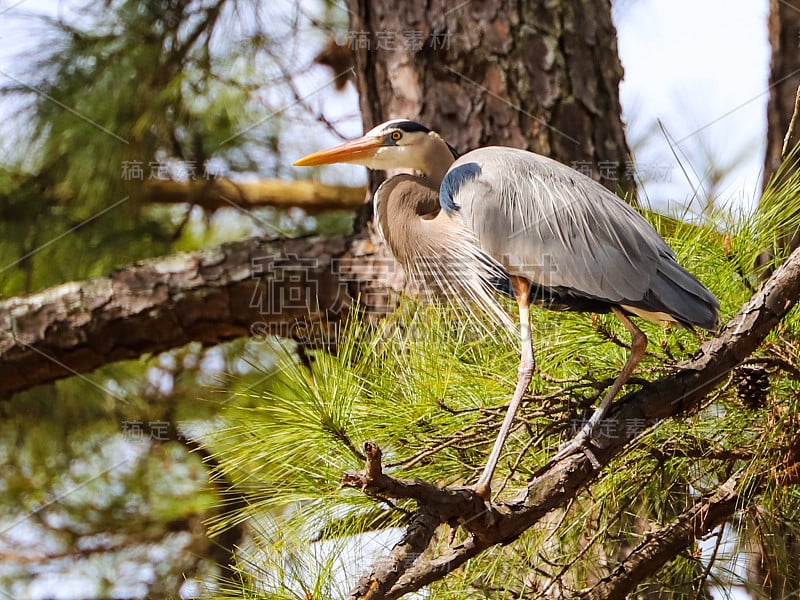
(410, 127)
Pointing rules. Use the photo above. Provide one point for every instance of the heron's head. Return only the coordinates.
(396, 144)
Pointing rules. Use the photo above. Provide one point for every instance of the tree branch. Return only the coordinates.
(659, 547)
(311, 196)
(557, 483)
(256, 286)
(386, 572)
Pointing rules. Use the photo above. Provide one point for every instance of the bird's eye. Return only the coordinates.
(396, 135)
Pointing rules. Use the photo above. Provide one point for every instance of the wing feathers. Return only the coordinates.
(558, 228)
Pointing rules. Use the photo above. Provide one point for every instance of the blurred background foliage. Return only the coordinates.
(118, 93)
(110, 483)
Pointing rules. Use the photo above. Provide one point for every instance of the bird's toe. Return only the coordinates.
(580, 443)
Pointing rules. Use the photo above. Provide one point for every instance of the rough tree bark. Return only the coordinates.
(253, 287)
(784, 84)
(539, 76)
(784, 79)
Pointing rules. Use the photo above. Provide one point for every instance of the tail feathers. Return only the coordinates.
(677, 292)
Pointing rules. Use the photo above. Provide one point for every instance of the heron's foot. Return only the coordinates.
(484, 490)
(485, 493)
(580, 443)
(451, 538)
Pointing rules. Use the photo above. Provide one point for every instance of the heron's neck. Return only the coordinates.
(437, 159)
(404, 205)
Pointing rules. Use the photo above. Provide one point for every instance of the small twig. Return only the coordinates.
(670, 451)
(300, 100)
(791, 138)
(606, 332)
(775, 361)
(707, 571)
(514, 467)
(183, 223)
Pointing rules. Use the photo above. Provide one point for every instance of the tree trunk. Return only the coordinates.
(784, 84)
(534, 76)
(784, 80)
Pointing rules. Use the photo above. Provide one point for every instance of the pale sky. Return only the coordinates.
(702, 68)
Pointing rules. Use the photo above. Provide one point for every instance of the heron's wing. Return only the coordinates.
(545, 221)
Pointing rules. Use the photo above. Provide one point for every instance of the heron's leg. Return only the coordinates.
(524, 375)
(638, 347)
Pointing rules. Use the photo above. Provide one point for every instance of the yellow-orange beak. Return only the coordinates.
(352, 151)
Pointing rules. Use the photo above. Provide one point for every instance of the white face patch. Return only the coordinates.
(407, 152)
(395, 157)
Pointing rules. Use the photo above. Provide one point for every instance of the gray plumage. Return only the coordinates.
(570, 236)
(438, 249)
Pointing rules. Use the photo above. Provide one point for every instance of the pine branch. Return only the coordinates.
(311, 196)
(557, 483)
(233, 290)
(659, 547)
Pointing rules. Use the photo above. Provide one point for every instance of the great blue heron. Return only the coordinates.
(529, 226)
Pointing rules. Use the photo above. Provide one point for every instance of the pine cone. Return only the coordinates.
(752, 385)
